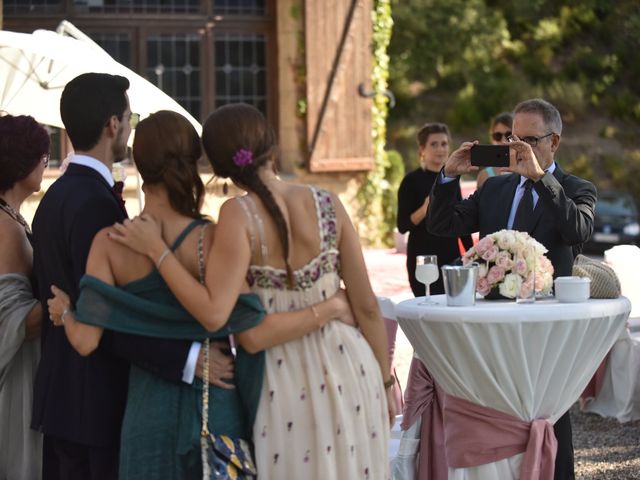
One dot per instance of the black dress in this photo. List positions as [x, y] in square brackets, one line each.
[415, 187]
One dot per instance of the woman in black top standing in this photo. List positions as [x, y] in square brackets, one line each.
[413, 201]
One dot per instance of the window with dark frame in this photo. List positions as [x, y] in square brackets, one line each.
[239, 7]
[32, 6]
[241, 69]
[137, 6]
[166, 50]
[116, 44]
[173, 65]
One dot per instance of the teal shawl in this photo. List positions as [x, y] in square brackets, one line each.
[147, 307]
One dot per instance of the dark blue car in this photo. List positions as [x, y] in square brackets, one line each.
[616, 221]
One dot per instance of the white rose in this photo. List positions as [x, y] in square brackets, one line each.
[483, 268]
[506, 240]
[510, 286]
[519, 244]
[531, 257]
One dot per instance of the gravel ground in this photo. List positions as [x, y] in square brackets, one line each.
[604, 448]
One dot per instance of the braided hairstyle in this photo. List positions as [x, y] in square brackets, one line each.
[239, 129]
[166, 150]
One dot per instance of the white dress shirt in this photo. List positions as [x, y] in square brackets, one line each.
[520, 192]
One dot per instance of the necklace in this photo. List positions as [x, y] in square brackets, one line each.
[9, 210]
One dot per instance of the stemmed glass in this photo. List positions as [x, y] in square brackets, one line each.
[427, 272]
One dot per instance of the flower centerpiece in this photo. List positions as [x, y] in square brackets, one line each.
[511, 263]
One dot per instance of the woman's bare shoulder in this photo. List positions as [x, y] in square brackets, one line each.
[104, 246]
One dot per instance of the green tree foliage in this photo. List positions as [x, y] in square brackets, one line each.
[374, 192]
[486, 54]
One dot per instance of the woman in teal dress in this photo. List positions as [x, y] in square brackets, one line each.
[123, 291]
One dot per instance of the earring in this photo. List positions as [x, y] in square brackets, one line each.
[225, 188]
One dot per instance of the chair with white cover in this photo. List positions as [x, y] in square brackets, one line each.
[619, 396]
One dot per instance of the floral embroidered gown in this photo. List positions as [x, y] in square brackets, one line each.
[322, 411]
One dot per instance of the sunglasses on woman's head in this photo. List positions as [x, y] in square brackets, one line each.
[498, 136]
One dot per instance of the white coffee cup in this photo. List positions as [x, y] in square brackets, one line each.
[572, 289]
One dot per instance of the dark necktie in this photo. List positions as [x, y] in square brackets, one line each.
[118, 188]
[525, 209]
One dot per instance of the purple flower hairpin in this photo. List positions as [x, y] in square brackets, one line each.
[243, 157]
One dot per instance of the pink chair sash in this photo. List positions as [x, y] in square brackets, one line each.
[476, 435]
[423, 398]
[595, 384]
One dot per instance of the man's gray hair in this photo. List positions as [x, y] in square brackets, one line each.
[550, 114]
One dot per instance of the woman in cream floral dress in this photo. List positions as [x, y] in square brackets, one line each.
[324, 411]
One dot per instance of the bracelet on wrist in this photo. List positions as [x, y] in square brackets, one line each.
[66, 311]
[162, 257]
[389, 383]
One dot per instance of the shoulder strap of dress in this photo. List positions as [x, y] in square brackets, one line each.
[327, 223]
[251, 210]
[186, 232]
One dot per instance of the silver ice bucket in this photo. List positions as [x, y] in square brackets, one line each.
[460, 284]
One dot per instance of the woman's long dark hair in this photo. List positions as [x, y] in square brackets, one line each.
[228, 132]
[166, 150]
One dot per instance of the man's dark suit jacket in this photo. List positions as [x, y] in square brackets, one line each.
[562, 221]
[82, 399]
[562, 218]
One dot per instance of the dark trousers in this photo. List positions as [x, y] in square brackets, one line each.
[63, 460]
[564, 458]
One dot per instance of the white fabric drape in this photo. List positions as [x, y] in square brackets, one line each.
[20, 447]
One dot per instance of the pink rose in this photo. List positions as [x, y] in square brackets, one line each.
[490, 254]
[495, 274]
[526, 289]
[545, 265]
[483, 245]
[482, 286]
[503, 259]
[520, 266]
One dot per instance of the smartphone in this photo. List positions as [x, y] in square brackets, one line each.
[490, 155]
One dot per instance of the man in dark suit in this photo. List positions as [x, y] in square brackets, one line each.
[79, 401]
[556, 208]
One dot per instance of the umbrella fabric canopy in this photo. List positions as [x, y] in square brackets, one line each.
[34, 68]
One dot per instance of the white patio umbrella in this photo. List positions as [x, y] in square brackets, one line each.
[34, 68]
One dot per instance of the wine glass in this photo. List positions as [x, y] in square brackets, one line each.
[427, 272]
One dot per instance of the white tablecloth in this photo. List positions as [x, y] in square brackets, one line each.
[528, 360]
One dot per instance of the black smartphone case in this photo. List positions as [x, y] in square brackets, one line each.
[490, 155]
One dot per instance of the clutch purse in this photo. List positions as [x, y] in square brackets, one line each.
[604, 281]
[223, 457]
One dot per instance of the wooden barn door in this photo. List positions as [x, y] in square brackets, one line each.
[338, 60]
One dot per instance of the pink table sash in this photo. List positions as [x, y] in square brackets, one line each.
[423, 398]
[476, 435]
